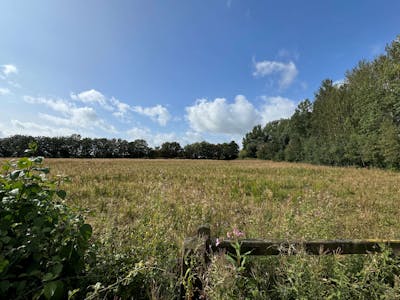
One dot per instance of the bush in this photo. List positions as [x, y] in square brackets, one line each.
[42, 241]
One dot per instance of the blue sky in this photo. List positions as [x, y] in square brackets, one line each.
[176, 70]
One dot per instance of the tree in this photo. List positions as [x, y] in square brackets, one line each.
[229, 151]
[138, 149]
[357, 123]
[252, 140]
[390, 144]
[171, 150]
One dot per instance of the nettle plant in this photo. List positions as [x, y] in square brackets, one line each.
[42, 241]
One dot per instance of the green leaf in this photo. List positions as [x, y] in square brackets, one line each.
[86, 231]
[54, 290]
[6, 166]
[4, 286]
[33, 146]
[37, 159]
[3, 264]
[62, 194]
[231, 259]
[57, 269]
[14, 192]
[24, 163]
[71, 294]
[14, 174]
[44, 170]
[5, 240]
[49, 276]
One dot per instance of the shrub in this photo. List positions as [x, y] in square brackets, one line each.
[42, 241]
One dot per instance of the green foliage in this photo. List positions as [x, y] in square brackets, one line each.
[302, 276]
[354, 123]
[204, 150]
[252, 140]
[171, 150]
[76, 147]
[42, 241]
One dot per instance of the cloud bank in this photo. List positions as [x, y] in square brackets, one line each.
[157, 113]
[72, 116]
[221, 117]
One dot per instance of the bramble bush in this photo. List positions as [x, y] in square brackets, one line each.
[43, 242]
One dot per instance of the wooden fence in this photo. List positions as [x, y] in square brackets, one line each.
[203, 246]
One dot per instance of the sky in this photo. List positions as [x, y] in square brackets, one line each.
[183, 71]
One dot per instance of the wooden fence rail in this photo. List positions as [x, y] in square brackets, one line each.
[203, 246]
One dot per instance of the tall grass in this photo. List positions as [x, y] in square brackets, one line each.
[141, 211]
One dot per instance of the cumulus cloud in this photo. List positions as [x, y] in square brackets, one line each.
[8, 70]
[219, 116]
[34, 129]
[121, 109]
[157, 113]
[153, 139]
[237, 118]
[276, 108]
[4, 91]
[72, 116]
[55, 104]
[286, 71]
[92, 96]
[137, 133]
[157, 139]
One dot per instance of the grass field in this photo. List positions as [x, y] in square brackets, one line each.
[143, 209]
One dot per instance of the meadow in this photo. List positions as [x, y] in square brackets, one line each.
[141, 211]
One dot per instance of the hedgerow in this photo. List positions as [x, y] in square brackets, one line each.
[43, 243]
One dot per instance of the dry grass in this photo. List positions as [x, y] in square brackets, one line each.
[141, 210]
[265, 199]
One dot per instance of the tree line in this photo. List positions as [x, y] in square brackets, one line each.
[75, 146]
[356, 122]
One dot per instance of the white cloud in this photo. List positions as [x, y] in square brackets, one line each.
[57, 105]
[340, 82]
[157, 139]
[153, 139]
[73, 116]
[9, 69]
[121, 108]
[276, 108]
[287, 71]
[157, 113]
[219, 116]
[92, 96]
[4, 91]
[287, 54]
[34, 129]
[237, 118]
[139, 133]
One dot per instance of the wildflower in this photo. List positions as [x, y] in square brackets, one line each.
[217, 242]
[237, 232]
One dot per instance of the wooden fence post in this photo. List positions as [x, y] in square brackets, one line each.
[197, 253]
[194, 261]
